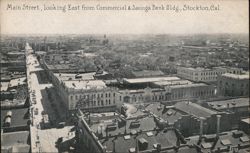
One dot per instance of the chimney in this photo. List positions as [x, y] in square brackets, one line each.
[201, 126]
[114, 146]
[218, 125]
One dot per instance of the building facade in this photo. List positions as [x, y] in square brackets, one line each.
[233, 85]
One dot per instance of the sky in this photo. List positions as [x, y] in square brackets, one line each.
[231, 18]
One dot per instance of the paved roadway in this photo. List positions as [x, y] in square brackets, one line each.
[42, 140]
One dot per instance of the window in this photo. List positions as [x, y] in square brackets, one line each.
[71, 97]
[76, 97]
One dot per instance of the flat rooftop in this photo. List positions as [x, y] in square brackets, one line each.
[189, 85]
[15, 142]
[4, 86]
[83, 84]
[231, 103]
[67, 76]
[172, 82]
[118, 127]
[151, 79]
[236, 76]
[17, 82]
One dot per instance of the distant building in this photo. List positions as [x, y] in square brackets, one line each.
[147, 73]
[233, 85]
[204, 74]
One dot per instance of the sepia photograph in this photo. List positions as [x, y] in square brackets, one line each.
[124, 76]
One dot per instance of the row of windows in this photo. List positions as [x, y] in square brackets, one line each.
[193, 94]
[77, 97]
[95, 103]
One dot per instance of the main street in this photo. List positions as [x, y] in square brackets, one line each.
[42, 140]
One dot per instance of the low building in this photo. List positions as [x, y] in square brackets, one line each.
[233, 85]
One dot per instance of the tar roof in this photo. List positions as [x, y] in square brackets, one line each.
[67, 76]
[151, 79]
[167, 138]
[14, 138]
[19, 117]
[231, 103]
[194, 109]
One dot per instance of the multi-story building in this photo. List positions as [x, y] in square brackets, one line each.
[205, 75]
[120, 135]
[84, 92]
[233, 85]
[160, 89]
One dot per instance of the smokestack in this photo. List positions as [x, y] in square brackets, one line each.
[218, 125]
[201, 126]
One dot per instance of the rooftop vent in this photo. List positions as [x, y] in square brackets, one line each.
[143, 143]
[149, 134]
[237, 134]
[226, 142]
[127, 137]
[131, 150]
